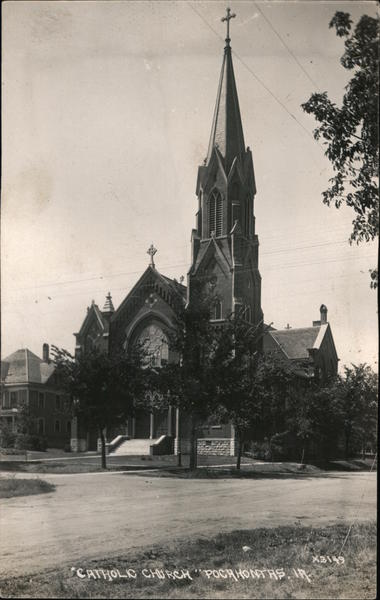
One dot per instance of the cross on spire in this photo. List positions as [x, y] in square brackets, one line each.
[151, 251]
[228, 19]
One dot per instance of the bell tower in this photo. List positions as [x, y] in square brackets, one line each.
[224, 243]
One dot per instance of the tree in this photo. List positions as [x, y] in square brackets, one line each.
[189, 383]
[233, 366]
[315, 419]
[357, 393]
[251, 386]
[351, 131]
[104, 388]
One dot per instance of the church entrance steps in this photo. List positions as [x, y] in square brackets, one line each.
[116, 442]
[135, 447]
[123, 446]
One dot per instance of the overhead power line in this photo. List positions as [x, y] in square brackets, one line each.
[286, 46]
[173, 266]
[256, 76]
[126, 290]
[276, 267]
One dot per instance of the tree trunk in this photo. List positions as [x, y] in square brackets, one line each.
[240, 450]
[347, 444]
[193, 445]
[178, 435]
[103, 440]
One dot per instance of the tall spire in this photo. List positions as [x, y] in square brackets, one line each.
[227, 131]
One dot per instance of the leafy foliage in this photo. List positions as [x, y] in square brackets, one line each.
[251, 387]
[351, 131]
[342, 411]
[189, 383]
[357, 394]
[314, 418]
[104, 388]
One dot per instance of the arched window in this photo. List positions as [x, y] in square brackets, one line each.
[217, 312]
[216, 214]
[154, 345]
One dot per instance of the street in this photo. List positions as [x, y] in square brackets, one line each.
[105, 514]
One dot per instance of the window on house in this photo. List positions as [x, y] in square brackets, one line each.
[57, 426]
[41, 426]
[22, 397]
[33, 398]
[5, 403]
[68, 427]
[58, 402]
[41, 400]
[14, 398]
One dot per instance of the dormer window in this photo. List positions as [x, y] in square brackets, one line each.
[215, 214]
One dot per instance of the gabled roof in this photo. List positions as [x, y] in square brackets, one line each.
[296, 343]
[92, 311]
[174, 286]
[227, 130]
[25, 367]
[216, 247]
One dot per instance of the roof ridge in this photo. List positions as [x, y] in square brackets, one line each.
[286, 330]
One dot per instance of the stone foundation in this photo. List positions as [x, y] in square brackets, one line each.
[78, 445]
[216, 446]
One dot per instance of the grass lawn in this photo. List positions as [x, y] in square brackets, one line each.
[287, 562]
[10, 487]
[253, 471]
[89, 464]
[60, 462]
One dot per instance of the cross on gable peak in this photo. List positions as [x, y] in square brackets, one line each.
[151, 251]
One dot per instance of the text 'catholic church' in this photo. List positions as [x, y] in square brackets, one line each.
[225, 255]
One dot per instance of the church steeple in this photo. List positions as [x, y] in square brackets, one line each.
[225, 247]
[226, 181]
[227, 130]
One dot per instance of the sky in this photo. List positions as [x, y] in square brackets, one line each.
[107, 111]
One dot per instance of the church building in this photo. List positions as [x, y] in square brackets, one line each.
[225, 258]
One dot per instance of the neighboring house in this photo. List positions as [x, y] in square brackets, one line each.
[27, 380]
[312, 348]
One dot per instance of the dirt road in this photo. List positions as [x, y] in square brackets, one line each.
[100, 515]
